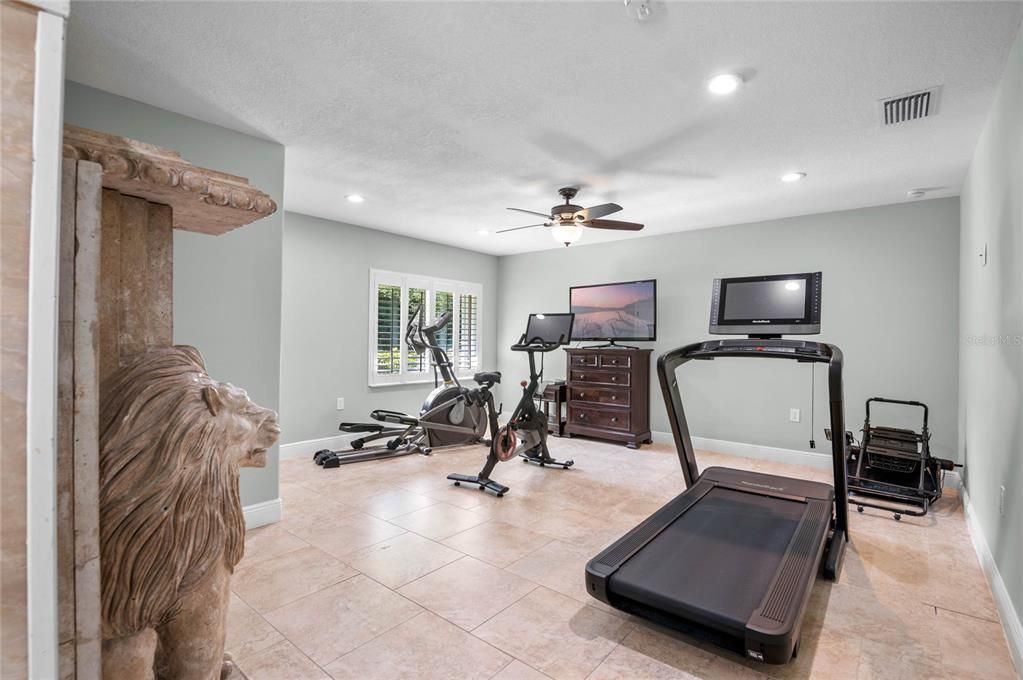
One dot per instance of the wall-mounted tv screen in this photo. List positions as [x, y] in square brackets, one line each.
[778, 304]
[615, 311]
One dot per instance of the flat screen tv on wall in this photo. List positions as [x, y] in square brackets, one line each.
[615, 311]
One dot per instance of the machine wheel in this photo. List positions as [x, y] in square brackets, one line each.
[898, 517]
[357, 444]
[458, 484]
[859, 508]
[392, 445]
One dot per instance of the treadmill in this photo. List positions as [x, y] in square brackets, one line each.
[734, 557]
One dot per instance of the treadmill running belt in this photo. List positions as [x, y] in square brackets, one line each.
[718, 558]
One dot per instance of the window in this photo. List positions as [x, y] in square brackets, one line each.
[394, 298]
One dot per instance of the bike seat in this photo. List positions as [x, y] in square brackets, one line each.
[487, 377]
[385, 416]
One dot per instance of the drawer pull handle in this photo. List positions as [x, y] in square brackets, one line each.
[614, 420]
[582, 376]
[614, 379]
[614, 397]
[582, 394]
[581, 416]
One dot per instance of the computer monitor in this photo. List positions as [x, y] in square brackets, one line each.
[549, 328]
[765, 306]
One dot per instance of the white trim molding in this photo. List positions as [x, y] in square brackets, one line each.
[261, 514]
[41, 393]
[306, 449]
[817, 460]
[1011, 624]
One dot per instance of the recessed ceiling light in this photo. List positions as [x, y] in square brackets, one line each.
[725, 83]
[793, 176]
[916, 193]
[483, 232]
[355, 198]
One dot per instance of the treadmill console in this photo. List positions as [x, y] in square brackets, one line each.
[794, 349]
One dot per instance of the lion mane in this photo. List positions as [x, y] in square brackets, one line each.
[169, 499]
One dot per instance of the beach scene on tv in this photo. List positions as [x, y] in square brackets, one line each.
[620, 310]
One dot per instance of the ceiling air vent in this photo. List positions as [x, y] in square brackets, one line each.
[912, 106]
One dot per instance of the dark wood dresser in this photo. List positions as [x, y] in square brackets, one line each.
[609, 394]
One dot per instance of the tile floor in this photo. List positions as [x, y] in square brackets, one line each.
[385, 570]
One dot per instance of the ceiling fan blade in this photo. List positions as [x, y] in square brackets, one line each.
[532, 212]
[528, 226]
[598, 211]
[614, 224]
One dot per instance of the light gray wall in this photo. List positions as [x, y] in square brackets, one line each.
[326, 307]
[991, 304]
[889, 301]
[227, 289]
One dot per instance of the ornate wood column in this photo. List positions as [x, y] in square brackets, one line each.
[121, 200]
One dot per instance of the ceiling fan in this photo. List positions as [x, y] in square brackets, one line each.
[567, 220]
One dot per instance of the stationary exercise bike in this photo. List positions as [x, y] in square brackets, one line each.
[525, 435]
[451, 415]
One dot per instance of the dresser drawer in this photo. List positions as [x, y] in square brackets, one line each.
[584, 360]
[595, 417]
[596, 377]
[614, 361]
[593, 395]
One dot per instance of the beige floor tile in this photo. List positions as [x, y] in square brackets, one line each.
[467, 592]
[973, 648]
[269, 541]
[392, 503]
[559, 566]
[247, 631]
[283, 661]
[401, 559]
[879, 620]
[880, 661]
[655, 654]
[438, 521]
[274, 582]
[336, 620]
[465, 497]
[498, 543]
[517, 670]
[554, 633]
[343, 534]
[424, 648]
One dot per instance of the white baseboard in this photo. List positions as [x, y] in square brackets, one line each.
[306, 449]
[261, 514]
[818, 460]
[1011, 624]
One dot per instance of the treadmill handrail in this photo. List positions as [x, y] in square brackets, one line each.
[813, 352]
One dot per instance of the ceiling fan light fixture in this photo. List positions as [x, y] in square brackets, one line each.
[566, 232]
[724, 83]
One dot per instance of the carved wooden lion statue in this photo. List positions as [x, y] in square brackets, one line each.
[172, 441]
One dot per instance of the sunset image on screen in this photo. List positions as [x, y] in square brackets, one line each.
[623, 310]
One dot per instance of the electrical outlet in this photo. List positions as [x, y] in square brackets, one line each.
[794, 415]
[1001, 501]
[340, 403]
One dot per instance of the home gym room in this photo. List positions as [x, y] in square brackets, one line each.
[570, 340]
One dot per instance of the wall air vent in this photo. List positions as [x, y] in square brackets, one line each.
[907, 107]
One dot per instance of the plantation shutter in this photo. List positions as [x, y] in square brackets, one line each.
[444, 301]
[388, 330]
[468, 332]
[416, 363]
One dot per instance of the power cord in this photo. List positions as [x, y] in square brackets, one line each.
[813, 380]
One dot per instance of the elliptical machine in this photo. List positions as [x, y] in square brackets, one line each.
[525, 435]
[451, 415]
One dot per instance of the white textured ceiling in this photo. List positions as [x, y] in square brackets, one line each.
[444, 113]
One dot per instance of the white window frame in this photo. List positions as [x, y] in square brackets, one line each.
[431, 285]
